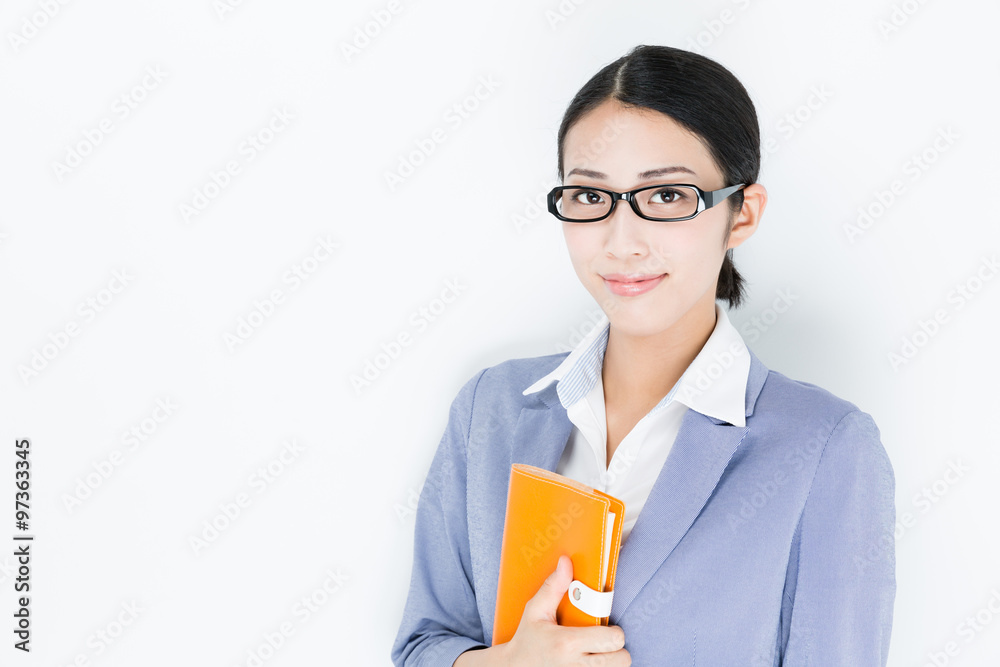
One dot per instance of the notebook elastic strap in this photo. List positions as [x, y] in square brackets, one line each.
[589, 601]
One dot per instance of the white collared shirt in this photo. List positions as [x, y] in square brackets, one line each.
[714, 385]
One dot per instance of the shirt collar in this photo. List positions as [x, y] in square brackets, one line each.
[714, 384]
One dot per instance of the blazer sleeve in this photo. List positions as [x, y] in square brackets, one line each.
[441, 619]
[840, 584]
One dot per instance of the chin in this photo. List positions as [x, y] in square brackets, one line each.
[644, 321]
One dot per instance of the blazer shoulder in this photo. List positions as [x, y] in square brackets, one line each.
[805, 401]
[817, 417]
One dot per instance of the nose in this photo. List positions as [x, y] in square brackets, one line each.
[625, 231]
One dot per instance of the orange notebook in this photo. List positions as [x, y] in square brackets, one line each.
[548, 515]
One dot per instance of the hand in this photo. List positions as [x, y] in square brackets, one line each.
[539, 640]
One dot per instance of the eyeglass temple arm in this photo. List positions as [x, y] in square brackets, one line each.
[714, 197]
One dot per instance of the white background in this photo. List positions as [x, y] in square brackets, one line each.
[339, 510]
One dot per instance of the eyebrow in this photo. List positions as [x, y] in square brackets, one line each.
[652, 173]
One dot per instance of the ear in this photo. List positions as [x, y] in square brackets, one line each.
[754, 201]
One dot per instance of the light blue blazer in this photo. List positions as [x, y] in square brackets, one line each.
[764, 545]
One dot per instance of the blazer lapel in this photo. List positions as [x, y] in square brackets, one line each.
[701, 452]
[691, 472]
[542, 431]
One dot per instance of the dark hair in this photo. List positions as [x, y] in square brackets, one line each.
[703, 97]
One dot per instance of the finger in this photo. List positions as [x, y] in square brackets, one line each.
[620, 658]
[544, 603]
[594, 639]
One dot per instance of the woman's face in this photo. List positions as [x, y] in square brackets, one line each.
[622, 149]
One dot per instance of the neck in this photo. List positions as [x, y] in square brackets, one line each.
[640, 370]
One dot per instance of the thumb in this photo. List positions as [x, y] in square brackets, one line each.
[544, 603]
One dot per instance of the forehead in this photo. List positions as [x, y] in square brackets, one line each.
[622, 142]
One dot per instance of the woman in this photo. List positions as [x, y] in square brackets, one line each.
[759, 509]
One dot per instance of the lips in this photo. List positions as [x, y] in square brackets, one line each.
[631, 277]
[624, 284]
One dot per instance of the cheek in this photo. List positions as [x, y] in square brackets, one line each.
[691, 255]
[582, 244]
[678, 247]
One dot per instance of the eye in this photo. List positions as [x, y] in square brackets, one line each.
[668, 196]
[587, 197]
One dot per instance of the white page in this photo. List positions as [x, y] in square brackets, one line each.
[609, 530]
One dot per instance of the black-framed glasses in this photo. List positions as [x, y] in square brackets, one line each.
[666, 202]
